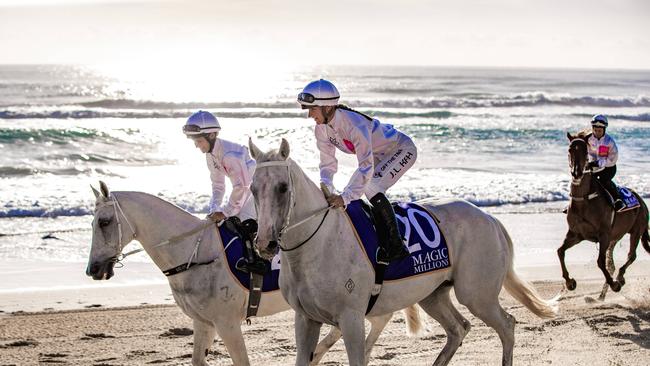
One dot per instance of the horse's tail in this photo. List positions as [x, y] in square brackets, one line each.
[645, 237]
[523, 291]
[645, 240]
[413, 320]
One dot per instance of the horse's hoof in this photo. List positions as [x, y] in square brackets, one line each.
[616, 286]
[621, 280]
[571, 284]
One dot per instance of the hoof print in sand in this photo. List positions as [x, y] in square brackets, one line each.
[88, 336]
[178, 332]
[25, 343]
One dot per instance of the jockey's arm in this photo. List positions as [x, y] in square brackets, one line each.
[361, 139]
[218, 186]
[328, 163]
[240, 179]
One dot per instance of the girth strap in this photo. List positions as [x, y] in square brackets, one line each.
[380, 269]
[254, 295]
[184, 267]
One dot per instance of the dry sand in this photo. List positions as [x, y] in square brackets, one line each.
[614, 332]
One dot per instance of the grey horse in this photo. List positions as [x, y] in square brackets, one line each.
[327, 279]
[591, 217]
[208, 293]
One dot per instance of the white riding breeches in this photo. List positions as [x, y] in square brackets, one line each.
[390, 167]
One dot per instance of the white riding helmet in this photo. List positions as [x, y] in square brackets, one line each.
[201, 122]
[599, 120]
[319, 93]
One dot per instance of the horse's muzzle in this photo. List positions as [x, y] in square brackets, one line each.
[100, 270]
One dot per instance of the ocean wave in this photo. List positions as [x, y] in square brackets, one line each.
[196, 208]
[465, 100]
[130, 114]
[56, 136]
[642, 117]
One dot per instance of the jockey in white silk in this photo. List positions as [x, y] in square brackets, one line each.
[383, 153]
[228, 159]
[374, 144]
[603, 154]
[603, 151]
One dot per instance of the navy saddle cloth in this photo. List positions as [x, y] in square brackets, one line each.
[235, 252]
[423, 238]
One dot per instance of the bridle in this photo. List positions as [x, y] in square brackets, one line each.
[577, 181]
[120, 257]
[292, 202]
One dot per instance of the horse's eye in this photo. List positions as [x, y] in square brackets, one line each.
[282, 188]
[104, 222]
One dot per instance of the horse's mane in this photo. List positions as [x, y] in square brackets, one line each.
[158, 199]
[584, 134]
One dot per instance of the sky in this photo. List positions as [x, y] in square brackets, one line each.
[258, 34]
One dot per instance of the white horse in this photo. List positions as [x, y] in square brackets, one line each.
[327, 279]
[209, 293]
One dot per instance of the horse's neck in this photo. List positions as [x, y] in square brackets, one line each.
[584, 188]
[155, 221]
[309, 199]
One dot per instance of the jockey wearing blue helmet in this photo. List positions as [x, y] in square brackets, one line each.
[603, 154]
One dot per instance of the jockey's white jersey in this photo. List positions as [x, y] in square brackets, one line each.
[603, 150]
[231, 160]
[352, 133]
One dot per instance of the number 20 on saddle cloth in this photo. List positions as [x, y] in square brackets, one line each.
[424, 240]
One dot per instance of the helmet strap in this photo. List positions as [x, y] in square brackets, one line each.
[212, 139]
[328, 113]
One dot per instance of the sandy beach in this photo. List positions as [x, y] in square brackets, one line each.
[614, 332]
[126, 322]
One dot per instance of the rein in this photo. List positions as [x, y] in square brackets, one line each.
[292, 202]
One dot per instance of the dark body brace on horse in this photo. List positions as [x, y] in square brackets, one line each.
[591, 217]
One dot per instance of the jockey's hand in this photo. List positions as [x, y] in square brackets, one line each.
[216, 216]
[593, 164]
[336, 201]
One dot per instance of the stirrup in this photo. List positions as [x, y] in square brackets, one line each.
[619, 205]
[257, 266]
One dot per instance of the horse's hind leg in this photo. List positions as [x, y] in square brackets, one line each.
[438, 305]
[324, 345]
[604, 245]
[631, 256]
[484, 303]
[570, 240]
[203, 338]
[377, 325]
[610, 268]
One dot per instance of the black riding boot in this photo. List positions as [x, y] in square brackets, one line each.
[391, 247]
[251, 263]
[613, 191]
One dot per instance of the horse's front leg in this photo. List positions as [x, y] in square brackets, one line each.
[603, 242]
[307, 332]
[609, 259]
[203, 338]
[570, 240]
[352, 326]
[325, 344]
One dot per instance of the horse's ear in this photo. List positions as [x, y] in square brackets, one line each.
[104, 188]
[284, 149]
[96, 192]
[569, 136]
[255, 152]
